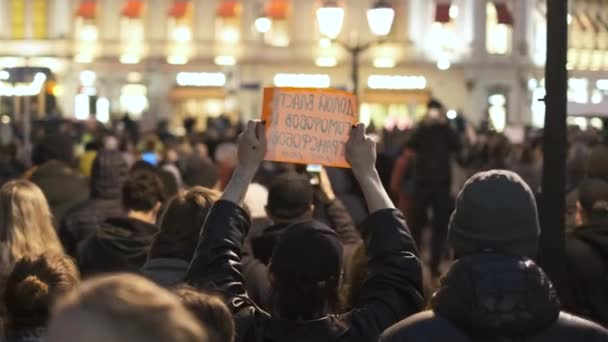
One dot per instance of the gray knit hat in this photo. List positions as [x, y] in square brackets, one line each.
[495, 211]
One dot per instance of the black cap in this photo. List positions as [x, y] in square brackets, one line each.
[308, 250]
[290, 196]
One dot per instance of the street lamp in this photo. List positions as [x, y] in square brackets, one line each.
[380, 18]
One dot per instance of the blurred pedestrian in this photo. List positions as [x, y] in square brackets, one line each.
[495, 291]
[109, 171]
[123, 308]
[434, 143]
[32, 288]
[122, 244]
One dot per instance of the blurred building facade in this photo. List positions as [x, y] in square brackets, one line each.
[173, 59]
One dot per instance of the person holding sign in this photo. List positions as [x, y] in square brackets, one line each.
[306, 266]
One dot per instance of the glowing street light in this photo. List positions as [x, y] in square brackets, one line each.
[380, 18]
[330, 17]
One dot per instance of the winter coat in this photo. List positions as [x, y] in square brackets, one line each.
[491, 297]
[433, 145]
[30, 335]
[62, 186]
[587, 265]
[108, 173]
[392, 290]
[256, 259]
[165, 272]
[120, 245]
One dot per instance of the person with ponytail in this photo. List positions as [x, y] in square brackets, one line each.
[32, 288]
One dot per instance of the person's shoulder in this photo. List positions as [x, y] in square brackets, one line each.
[425, 326]
[570, 326]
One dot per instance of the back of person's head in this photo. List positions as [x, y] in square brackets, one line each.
[495, 212]
[200, 171]
[290, 197]
[181, 222]
[34, 285]
[123, 308]
[306, 272]
[597, 163]
[593, 199]
[210, 311]
[26, 227]
[142, 191]
[108, 173]
[58, 147]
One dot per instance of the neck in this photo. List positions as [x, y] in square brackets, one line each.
[146, 216]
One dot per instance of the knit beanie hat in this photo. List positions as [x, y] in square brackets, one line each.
[290, 195]
[495, 212]
[108, 173]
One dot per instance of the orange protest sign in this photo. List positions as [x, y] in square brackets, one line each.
[308, 126]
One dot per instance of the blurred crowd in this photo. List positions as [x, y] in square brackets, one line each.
[117, 233]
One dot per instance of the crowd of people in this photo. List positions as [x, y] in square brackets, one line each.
[150, 237]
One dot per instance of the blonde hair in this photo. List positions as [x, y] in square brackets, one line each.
[26, 227]
[123, 307]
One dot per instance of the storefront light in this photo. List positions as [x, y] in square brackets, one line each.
[330, 18]
[452, 114]
[81, 107]
[324, 43]
[177, 59]
[134, 77]
[87, 78]
[129, 58]
[602, 84]
[30, 89]
[201, 79]
[380, 18]
[263, 24]
[4, 75]
[596, 123]
[396, 82]
[596, 96]
[11, 62]
[225, 60]
[326, 62]
[384, 62]
[302, 80]
[102, 112]
[5, 119]
[454, 11]
[182, 34]
[443, 63]
[88, 33]
[83, 58]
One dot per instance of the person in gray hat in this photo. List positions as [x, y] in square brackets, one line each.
[494, 291]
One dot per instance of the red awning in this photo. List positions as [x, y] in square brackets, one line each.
[86, 9]
[133, 9]
[180, 8]
[503, 13]
[277, 9]
[442, 12]
[229, 9]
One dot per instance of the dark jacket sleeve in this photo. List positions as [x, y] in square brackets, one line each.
[393, 288]
[217, 258]
[341, 221]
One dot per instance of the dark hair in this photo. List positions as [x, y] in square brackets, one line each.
[211, 312]
[34, 285]
[290, 196]
[141, 191]
[296, 298]
[181, 222]
[434, 103]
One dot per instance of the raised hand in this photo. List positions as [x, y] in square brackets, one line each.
[361, 151]
[252, 146]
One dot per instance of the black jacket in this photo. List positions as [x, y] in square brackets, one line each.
[121, 245]
[62, 186]
[587, 264]
[256, 259]
[108, 173]
[490, 297]
[434, 145]
[392, 291]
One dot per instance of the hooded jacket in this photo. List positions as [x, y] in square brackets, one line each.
[391, 291]
[108, 173]
[120, 245]
[62, 186]
[492, 297]
[587, 264]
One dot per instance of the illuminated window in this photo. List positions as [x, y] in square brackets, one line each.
[228, 22]
[134, 99]
[17, 18]
[39, 15]
[180, 32]
[85, 32]
[499, 28]
[578, 90]
[498, 111]
[278, 33]
[132, 32]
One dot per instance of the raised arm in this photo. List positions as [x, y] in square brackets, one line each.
[361, 155]
[217, 258]
[393, 288]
